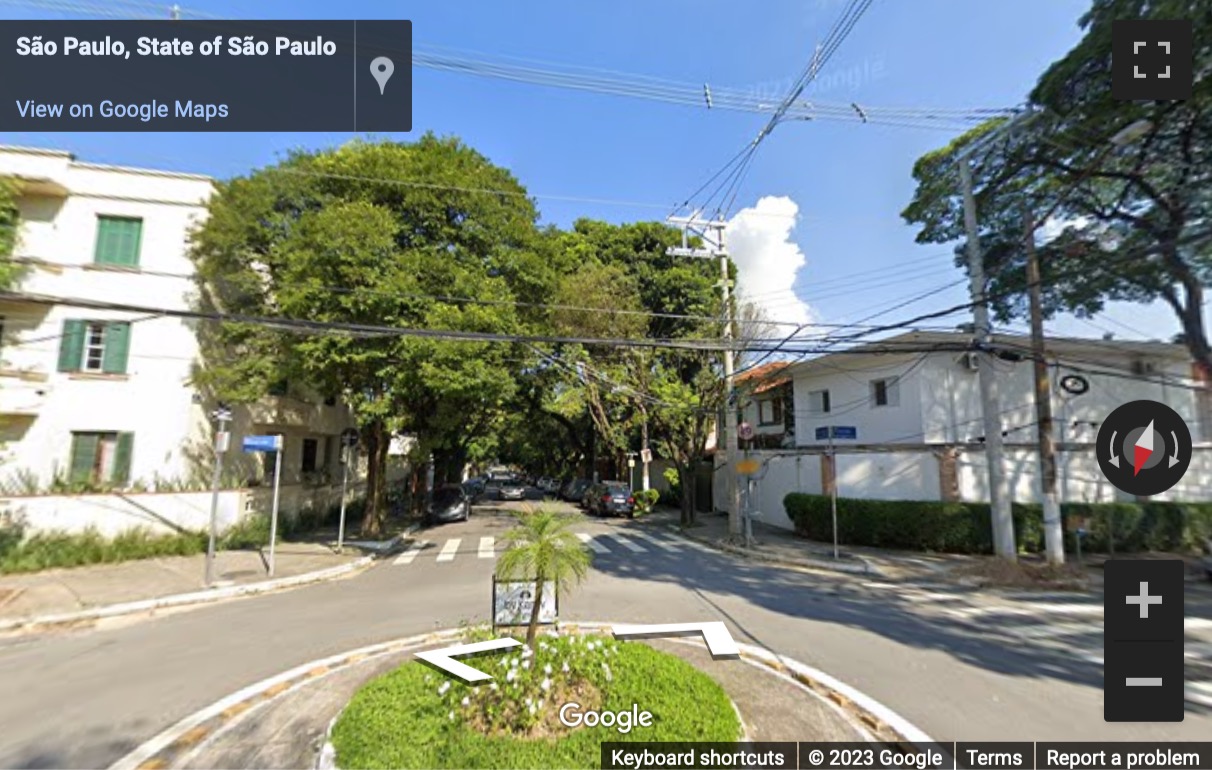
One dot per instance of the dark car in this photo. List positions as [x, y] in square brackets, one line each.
[610, 498]
[448, 504]
[513, 490]
[574, 490]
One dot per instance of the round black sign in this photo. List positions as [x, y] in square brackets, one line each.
[1074, 384]
[1144, 448]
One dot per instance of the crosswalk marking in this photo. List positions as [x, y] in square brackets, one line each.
[592, 543]
[487, 551]
[657, 542]
[450, 549]
[411, 553]
[630, 546]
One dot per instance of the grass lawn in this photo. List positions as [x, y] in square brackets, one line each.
[414, 717]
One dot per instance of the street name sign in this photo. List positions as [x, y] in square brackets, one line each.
[839, 431]
[262, 443]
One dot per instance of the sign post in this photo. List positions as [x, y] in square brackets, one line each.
[831, 432]
[349, 440]
[273, 443]
[222, 439]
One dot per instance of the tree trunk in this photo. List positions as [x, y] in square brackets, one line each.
[376, 487]
[533, 629]
[687, 494]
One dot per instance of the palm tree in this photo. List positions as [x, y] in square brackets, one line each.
[542, 548]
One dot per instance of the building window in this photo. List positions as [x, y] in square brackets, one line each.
[94, 346]
[770, 411]
[818, 402]
[884, 392]
[310, 453]
[118, 241]
[279, 388]
[99, 458]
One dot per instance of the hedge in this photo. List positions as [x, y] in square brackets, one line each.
[924, 525]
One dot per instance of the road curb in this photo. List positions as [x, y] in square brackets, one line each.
[865, 568]
[181, 600]
[191, 733]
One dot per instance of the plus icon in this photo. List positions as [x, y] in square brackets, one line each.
[1151, 59]
[1144, 600]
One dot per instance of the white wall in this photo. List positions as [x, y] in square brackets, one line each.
[849, 384]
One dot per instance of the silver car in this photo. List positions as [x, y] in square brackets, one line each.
[513, 490]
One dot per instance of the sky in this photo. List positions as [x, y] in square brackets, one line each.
[816, 227]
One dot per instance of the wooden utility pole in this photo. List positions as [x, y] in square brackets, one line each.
[1054, 544]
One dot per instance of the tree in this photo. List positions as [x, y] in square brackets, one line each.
[1134, 218]
[543, 548]
[9, 227]
[382, 234]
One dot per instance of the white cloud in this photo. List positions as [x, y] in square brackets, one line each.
[760, 243]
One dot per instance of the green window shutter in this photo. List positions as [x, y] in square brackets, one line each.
[117, 348]
[118, 241]
[122, 457]
[84, 456]
[71, 345]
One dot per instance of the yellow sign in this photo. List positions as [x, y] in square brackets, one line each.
[748, 467]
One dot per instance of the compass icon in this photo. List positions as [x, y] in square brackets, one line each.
[1144, 448]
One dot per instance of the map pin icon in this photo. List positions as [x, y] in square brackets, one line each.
[381, 68]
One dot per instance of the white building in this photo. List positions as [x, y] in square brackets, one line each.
[99, 398]
[910, 426]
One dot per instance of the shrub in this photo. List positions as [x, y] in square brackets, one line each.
[51, 550]
[960, 527]
[645, 499]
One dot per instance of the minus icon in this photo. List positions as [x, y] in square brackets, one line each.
[1144, 681]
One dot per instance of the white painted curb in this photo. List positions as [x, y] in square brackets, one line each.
[179, 600]
[166, 738]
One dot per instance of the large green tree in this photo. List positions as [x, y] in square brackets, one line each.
[376, 234]
[9, 223]
[1133, 215]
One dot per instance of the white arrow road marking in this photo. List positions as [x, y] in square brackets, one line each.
[444, 658]
[411, 553]
[487, 551]
[715, 634]
[1114, 454]
[592, 543]
[450, 549]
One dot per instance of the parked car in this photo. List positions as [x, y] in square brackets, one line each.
[513, 490]
[492, 489]
[574, 490]
[1208, 556]
[448, 504]
[474, 488]
[610, 498]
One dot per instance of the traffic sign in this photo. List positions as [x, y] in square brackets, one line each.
[745, 431]
[748, 466]
[646, 455]
[222, 441]
[262, 443]
[839, 431]
[349, 437]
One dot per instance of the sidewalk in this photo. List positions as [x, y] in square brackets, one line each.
[782, 546]
[63, 591]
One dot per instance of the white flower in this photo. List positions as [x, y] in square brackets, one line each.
[532, 708]
[609, 676]
[493, 687]
[466, 701]
[510, 676]
[529, 701]
[545, 684]
[451, 716]
[547, 669]
[525, 664]
[513, 662]
[444, 687]
[564, 668]
[527, 652]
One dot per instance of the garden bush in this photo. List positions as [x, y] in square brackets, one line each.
[924, 525]
[415, 717]
[645, 499]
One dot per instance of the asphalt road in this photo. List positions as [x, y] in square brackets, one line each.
[85, 699]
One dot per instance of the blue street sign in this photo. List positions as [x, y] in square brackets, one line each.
[262, 443]
[839, 431]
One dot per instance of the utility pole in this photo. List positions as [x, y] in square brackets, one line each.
[645, 453]
[715, 242]
[1054, 536]
[999, 497]
[222, 439]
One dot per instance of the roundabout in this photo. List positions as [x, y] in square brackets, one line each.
[381, 706]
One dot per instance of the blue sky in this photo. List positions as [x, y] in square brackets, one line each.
[848, 180]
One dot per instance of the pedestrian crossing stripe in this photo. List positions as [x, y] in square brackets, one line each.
[487, 549]
[450, 549]
[408, 556]
[630, 546]
[668, 545]
[589, 540]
